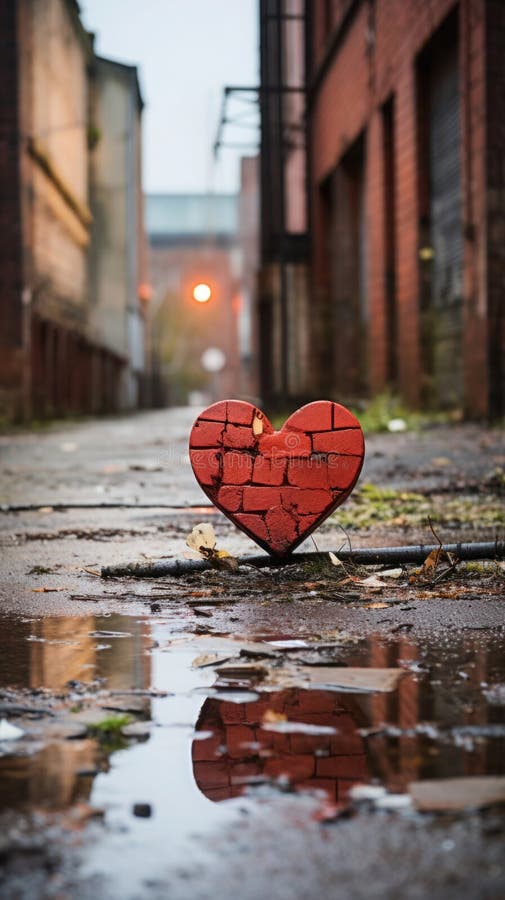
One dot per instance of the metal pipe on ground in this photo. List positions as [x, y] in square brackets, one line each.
[366, 556]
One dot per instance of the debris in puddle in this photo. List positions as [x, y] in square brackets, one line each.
[464, 736]
[141, 692]
[202, 735]
[10, 732]
[35, 639]
[233, 696]
[495, 694]
[453, 794]
[413, 665]
[208, 659]
[142, 810]
[110, 634]
[136, 705]
[392, 802]
[366, 792]
[379, 797]
[241, 670]
[137, 729]
[285, 727]
[352, 678]
[292, 644]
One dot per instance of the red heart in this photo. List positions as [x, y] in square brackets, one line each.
[277, 486]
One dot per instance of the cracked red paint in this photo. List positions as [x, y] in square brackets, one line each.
[277, 486]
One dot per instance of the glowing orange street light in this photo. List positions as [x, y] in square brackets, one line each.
[202, 293]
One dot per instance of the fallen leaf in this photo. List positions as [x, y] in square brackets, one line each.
[335, 560]
[377, 605]
[202, 541]
[372, 581]
[202, 538]
[442, 794]
[391, 573]
[272, 716]
[48, 590]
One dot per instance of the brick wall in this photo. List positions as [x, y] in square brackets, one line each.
[11, 263]
[356, 71]
[495, 198]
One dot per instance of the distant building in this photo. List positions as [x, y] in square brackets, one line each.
[62, 350]
[193, 239]
[401, 120]
[118, 256]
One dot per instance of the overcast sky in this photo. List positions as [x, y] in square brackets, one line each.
[186, 51]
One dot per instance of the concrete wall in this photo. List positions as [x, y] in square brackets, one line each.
[115, 260]
[57, 237]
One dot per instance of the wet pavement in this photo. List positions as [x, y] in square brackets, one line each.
[192, 738]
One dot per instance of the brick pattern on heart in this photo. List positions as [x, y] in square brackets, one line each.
[241, 749]
[277, 486]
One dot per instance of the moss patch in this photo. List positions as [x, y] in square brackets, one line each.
[371, 505]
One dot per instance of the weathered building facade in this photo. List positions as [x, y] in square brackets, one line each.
[406, 196]
[283, 289]
[58, 354]
[193, 238]
[118, 253]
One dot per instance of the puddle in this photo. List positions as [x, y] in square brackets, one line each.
[206, 746]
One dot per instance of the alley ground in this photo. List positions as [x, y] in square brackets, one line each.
[143, 771]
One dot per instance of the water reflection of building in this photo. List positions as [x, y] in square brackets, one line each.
[64, 650]
[59, 775]
[49, 654]
[241, 751]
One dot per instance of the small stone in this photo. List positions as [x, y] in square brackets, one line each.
[142, 810]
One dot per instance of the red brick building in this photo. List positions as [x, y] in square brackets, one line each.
[405, 193]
